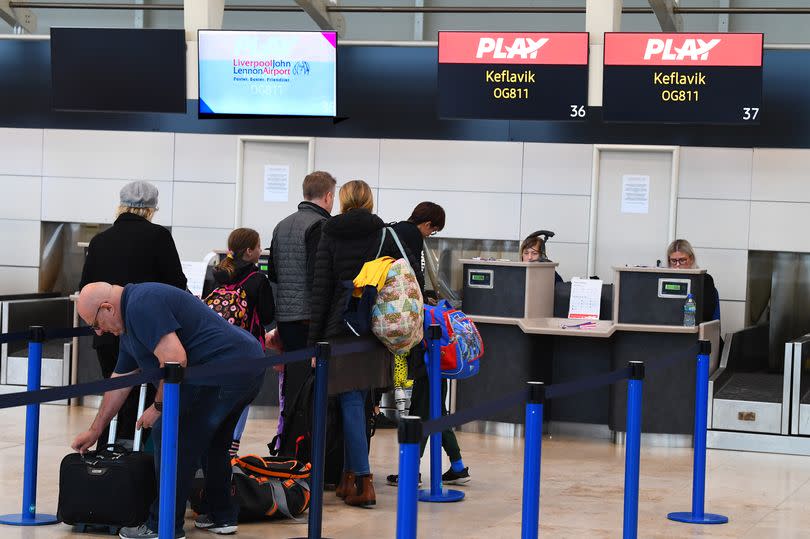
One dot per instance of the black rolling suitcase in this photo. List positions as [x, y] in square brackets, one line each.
[112, 487]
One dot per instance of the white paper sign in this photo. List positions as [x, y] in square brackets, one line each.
[195, 273]
[635, 194]
[276, 183]
[585, 298]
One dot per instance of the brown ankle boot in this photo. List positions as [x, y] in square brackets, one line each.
[363, 495]
[346, 485]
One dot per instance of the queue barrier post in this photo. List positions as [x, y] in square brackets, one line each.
[170, 419]
[697, 515]
[410, 437]
[320, 403]
[632, 450]
[436, 493]
[530, 518]
[29, 515]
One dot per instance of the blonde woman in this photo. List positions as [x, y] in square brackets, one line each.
[680, 255]
[348, 241]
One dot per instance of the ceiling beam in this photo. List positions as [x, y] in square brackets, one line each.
[18, 17]
[318, 12]
[665, 13]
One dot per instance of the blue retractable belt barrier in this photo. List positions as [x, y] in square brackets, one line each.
[29, 516]
[170, 418]
[410, 436]
[697, 515]
[436, 492]
[632, 449]
[530, 516]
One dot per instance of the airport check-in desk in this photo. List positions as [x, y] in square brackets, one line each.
[514, 306]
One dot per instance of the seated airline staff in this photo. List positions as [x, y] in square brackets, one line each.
[681, 256]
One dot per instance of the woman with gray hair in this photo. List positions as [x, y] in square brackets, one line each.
[680, 255]
[132, 250]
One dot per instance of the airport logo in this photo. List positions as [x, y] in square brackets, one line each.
[522, 47]
[690, 49]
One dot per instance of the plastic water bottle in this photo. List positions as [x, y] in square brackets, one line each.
[689, 310]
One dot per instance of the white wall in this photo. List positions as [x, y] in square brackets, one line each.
[730, 200]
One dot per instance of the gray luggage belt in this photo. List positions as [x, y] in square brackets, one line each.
[279, 496]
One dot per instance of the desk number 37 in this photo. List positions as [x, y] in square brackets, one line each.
[750, 113]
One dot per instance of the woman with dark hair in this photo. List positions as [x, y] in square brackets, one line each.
[239, 270]
[426, 220]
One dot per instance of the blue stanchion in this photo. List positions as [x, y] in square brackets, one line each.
[530, 518]
[632, 450]
[436, 492]
[697, 515]
[168, 449]
[29, 516]
[410, 436]
[315, 522]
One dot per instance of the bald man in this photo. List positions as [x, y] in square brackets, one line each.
[161, 324]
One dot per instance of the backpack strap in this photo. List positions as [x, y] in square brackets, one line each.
[382, 242]
[243, 281]
[399, 245]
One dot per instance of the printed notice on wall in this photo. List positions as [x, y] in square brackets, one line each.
[635, 194]
[585, 298]
[276, 183]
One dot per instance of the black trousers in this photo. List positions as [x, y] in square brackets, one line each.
[420, 406]
[294, 336]
[107, 354]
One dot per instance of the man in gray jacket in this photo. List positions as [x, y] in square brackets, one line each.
[292, 266]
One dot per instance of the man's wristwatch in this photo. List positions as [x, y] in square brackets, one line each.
[158, 405]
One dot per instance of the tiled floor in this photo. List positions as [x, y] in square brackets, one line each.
[764, 496]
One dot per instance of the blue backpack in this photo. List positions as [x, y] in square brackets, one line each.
[461, 344]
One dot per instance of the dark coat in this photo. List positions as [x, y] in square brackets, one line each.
[132, 250]
[257, 289]
[347, 242]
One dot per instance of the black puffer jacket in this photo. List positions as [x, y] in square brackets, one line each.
[347, 242]
[258, 292]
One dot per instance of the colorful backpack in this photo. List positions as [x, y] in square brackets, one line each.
[461, 344]
[397, 314]
[230, 302]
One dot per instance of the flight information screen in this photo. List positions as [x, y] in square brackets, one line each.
[682, 78]
[513, 75]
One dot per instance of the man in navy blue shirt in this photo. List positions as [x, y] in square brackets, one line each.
[160, 324]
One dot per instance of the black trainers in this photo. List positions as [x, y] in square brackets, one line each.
[393, 479]
[451, 477]
[381, 421]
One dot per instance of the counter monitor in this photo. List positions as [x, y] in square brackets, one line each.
[674, 288]
[479, 278]
[682, 78]
[513, 75]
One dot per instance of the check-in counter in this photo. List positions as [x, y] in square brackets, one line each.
[642, 321]
[18, 313]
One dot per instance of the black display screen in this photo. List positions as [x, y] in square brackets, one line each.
[118, 69]
[683, 78]
[515, 76]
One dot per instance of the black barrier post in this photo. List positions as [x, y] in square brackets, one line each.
[697, 515]
[632, 449]
[315, 522]
[29, 516]
[530, 520]
[170, 419]
[436, 492]
[410, 436]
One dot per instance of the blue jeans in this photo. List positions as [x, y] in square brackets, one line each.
[240, 425]
[355, 443]
[208, 415]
